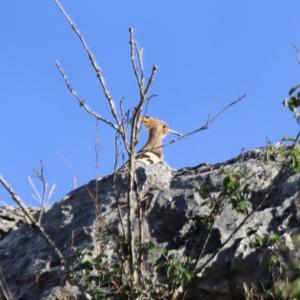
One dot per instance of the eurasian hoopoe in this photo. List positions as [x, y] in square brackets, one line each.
[153, 151]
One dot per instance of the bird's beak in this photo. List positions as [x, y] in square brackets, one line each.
[175, 132]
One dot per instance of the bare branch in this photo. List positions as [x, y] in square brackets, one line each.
[140, 53]
[53, 188]
[151, 79]
[97, 162]
[143, 90]
[297, 50]
[41, 176]
[132, 56]
[94, 63]
[4, 290]
[45, 195]
[10, 209]
[71, 169]
[134, 259]
[208, 122]
[151, 96]
[124, 125]
[81, 102]
[16, 198]
[36, 195]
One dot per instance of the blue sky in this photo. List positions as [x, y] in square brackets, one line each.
[208, 53]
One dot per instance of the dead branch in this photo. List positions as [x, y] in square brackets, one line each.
[10, 209]
[30, 219]
[94, 63]
[119, 128]
[297, 50]
[135, 129]
[18, 200]
[46, 194]
[81, 102]
[140, 53]
[4, 290]
[71, 169]
[97, 154]
[136, 119]
[209, 121]
[214, 212]
[139, 79]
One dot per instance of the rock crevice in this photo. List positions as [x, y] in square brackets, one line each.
[173, 212]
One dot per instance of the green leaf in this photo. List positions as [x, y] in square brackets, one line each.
[244, 206]
[274, 239]
[87, 265]
[295, 289]
[287, 139]
[274, 259]
[293, 89]
[203, 191]
[172, 252]
[296, 264]
[291, 103]
[265, 241]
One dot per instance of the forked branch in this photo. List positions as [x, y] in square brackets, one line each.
[30, 219]
[209, 121]
[81, 102]
[94, 63]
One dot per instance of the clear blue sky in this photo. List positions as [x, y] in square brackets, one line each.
[208, 53]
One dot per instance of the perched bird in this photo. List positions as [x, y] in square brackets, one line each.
[153, 151]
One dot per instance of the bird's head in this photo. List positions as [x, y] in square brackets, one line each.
[159, 127]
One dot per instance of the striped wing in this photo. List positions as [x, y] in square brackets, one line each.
[148, 158]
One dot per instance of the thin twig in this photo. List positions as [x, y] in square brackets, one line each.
[71, 169]
[4, 290]
[135, 128]
[97, 162]
[209, 121]
[15, 197]
[132, 56]
[11, 209]
[117, 151]
[218, 205]
[41, 176]
[151, 79]
[124, 125]
[297, 52]
[140, 53]
[94, 63]
[18, 200]
[36, 195]
[45, 195]
[81, 102]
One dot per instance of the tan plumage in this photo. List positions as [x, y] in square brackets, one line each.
[153, 152]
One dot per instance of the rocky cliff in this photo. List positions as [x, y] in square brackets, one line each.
[177, 208]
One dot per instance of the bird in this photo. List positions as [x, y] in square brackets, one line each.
[153, 151]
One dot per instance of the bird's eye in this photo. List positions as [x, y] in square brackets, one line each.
[164, 126]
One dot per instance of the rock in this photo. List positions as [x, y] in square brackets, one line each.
[11, 218]
[174, 208]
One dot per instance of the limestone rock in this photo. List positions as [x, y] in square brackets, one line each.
[172, 207]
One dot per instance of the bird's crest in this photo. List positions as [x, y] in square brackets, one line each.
[152, 152]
